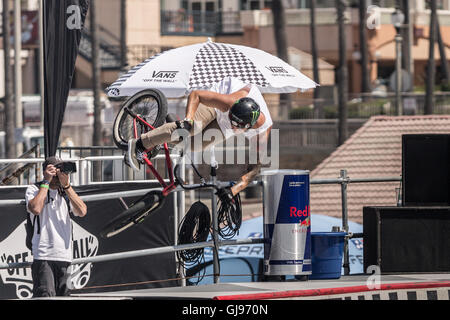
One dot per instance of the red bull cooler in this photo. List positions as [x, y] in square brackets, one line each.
[287, 223]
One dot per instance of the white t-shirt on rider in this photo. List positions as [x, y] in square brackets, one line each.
[55, 240]
[229, 85]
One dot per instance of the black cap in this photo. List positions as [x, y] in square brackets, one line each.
[51, 160]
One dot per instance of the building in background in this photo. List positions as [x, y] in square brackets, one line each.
[153, 26]
[147, 27]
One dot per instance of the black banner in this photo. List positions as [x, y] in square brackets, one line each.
[125, 274]
[63, 22]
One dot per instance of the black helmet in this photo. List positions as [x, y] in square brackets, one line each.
[244, 113]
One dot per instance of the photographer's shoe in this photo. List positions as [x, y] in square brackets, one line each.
[134, 156]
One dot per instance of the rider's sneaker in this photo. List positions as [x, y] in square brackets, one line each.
[134, 157]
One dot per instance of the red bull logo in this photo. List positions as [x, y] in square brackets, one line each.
[303, 214]
[306, 222]
[294, 212]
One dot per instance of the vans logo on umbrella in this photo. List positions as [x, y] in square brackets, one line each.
[164, 74]
[275, 69]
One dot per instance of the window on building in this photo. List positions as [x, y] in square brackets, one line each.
[267, 4]
[324, 4]
[209, 6]
[196, 6]
[304, 4]
[255, 4]
[439, 5]
[350, 3]
[384, 3]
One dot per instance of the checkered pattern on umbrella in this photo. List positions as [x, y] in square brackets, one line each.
[216, 61]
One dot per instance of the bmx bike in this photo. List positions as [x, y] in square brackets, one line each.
[141, 113]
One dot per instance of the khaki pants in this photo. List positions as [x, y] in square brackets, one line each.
[204, 119]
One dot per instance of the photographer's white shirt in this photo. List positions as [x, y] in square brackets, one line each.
[55, 240]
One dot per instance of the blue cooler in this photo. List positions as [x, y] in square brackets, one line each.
[287, 223]
[327, 251]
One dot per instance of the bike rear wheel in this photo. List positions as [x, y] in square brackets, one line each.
[151, 105]
[135, 214]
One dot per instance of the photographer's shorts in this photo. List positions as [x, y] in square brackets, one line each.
[50, 278]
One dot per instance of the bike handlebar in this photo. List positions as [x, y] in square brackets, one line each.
[181, 182]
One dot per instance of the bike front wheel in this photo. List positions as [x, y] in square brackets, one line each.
[134, 215]
[150, 105]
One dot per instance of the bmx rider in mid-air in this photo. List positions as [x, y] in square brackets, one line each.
[231, 106]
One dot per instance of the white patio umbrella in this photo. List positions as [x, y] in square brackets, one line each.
[177, 72]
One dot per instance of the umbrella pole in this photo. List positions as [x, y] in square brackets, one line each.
[215, 224]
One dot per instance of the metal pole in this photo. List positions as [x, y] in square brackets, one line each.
[123, 35]
[18, 71]
[344, 181]
[41, 58]
[37, 168]
[191, 181]
[408, 35]
[443, 55]
[96, 87]
[365, 74]
[398, 75]
[142, 253]
[215, 235]
[318, 108]
[10, 146]
[179, 217]
[103, 196]
[341, 7]
[182, 204]
[431, 67]
[176, 221]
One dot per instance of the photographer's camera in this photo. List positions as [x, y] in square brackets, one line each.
[67, 167]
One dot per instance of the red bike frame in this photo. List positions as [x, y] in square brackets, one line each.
[167, 188]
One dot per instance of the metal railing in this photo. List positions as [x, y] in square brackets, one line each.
[200, 23]
[343, 180]
[298, 136]
[95, 164]
[14, 173]
[84, 174]
[364, 106]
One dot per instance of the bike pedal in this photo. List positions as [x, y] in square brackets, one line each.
[141, 158]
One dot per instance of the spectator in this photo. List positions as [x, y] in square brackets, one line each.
[51, 203]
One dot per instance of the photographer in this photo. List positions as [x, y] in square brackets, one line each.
[49, 206]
